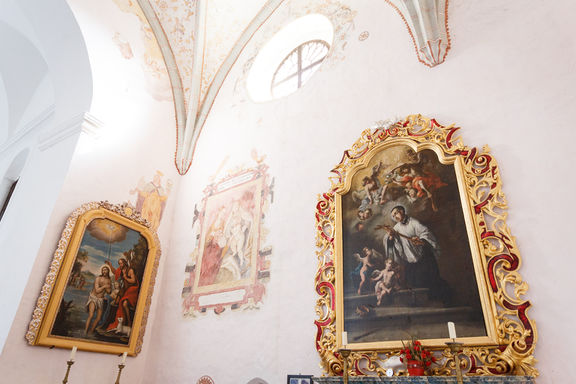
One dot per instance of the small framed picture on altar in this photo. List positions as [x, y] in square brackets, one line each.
[97, 292]
[299, 379]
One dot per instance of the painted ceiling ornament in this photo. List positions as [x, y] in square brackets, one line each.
[427, 23]
[205, 380]
[364, 35]
[196, 75]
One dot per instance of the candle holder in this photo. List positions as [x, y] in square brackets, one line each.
[345, 353]
[454, 348]
[69, 362]
[120, 368]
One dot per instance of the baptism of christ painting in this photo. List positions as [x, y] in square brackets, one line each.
[103, 286]
[406, 256]
[99, 286]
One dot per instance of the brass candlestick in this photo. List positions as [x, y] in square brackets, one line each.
[345, 353]
[120, 368]
[454, 347]
[69, 362]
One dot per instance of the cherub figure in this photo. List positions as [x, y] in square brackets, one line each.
[387, 280]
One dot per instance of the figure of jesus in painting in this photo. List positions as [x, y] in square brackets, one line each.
[367, 265]
[152, 199]
[95, 303]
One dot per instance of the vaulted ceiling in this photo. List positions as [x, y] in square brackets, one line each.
[200, 40]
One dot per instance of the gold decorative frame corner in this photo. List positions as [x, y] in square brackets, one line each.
[513, 335]
[54, 284]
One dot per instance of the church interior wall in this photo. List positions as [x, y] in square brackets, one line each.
[506, 81]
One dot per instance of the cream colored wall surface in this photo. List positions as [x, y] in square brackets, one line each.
[507, 82]
[135, 140]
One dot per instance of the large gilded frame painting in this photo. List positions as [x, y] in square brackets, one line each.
[412, 235]
[98, 291]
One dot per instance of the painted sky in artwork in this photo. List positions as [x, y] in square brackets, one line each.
[106, 240]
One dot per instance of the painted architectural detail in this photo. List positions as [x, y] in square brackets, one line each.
[205, 380]
[427, 23]
[230, 264]
[151, 198]
[364, 35]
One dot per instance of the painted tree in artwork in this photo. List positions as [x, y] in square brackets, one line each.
[137, 257]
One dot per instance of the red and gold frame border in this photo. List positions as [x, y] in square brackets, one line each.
[515, 332]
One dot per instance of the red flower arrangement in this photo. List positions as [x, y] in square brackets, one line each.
[414, 351]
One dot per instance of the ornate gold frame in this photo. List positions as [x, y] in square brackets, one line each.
[56, 279]
[509, 346]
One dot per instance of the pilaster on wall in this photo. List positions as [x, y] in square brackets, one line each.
[84, 122]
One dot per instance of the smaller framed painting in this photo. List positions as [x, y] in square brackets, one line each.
[98, 290]
[299, 379]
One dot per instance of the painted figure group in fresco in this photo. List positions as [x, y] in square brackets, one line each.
[228, 242]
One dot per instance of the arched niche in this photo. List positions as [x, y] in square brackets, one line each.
[11, 177]
[25, 74]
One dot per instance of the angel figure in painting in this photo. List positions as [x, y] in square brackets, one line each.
[372, 191]
[368, 263]
[387, 281]
[152, 198]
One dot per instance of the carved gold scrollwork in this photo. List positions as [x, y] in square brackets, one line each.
[515, 333]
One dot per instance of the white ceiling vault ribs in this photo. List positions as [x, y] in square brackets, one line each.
[171, 65]
[184, 36]
[217, 31]
[427, 23]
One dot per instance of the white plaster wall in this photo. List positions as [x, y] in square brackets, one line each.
[507, 82]
[4, 112]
